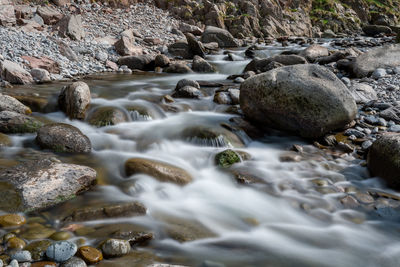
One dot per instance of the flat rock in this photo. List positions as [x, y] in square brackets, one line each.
[14, 73]
[9, 103]
[12, 122]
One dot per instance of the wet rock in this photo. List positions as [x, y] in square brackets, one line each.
[40, 75]
[383, 57]
[22, 256]
[235, 96]
[124, 47]
[90, 255]
[308, 100]
[74, 262]
[183, 230]
[38, 248]
[39, 184]
[384, 159]
[14, 73]
[201, 65]
[59, 236]
[12, 122]
[12, 220]
[178, 68]
[5, 140]
[196, 48]
[11, 104]
[44, 264]
[220, 36]
[15, 243]
[263, 65]
[142, 62]
[185, 82]
[162, 61]
[115, 247]
[74, 100]
[62, 137]
[113, 210]
[372, 30]
[161, 171]
[227, 158]
[313, 52]
[61, 251]
[187, 92]
[211, 136]
[106, 116]
[49, 14]
[222, 98]
[362, 93]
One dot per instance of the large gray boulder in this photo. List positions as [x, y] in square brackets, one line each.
[74, 100]
[384, 159]
[308, 100]
[62, 137]
[40, 184]
[14, 73]
[383, 57]
[220, 36]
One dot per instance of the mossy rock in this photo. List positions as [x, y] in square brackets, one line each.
[12, 122]
[5, 140]
[227, 158]
[106, 116]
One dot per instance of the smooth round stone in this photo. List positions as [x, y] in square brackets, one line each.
[38, 248]
[37, 231]
[74, 262]
[12, 220]
[115, 247]
[90, 255]
[7, 236]
[61, 251]
[22, 256]
[14, 263]
[43, 264]
[59, 236]
[15, 243]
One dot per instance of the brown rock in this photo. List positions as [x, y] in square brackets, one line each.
[14, 73]
[90, 255]
[42, 63]
[124, 47]
[112, 65]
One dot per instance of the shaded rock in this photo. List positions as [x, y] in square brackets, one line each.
[308, 100]
[124, 47]
[201, 65]
[74, 100]
[220, 36]
[42, 183]
[178, 68]
[362, 93]
[313, 52]
[113, 210]
[61, 251]
[222, 98]
[142, 62]
[14, 73]
[187, 28]
[42, 63]
[38, 248]
[12, 122]
[9, 103]
[392, 113]
[161, 171]
[49, 14]
[180, 49]
[71, 26]
[115, 247]
[372, 30]
[383, 57]
[106, 116]
[40, 75]
[196, 48]
[384, 159]
[161, 61]
[185, 82]
[187, 92]
[263, 65]
[62, 137]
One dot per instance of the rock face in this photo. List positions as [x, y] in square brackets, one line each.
[40, 184]
[14, 73]
[308, 100]
[12, 122]
[74, 100]
[163, 172]
[11, 104]
[384, 159]
[62, 137]
[220, 36]
[383, 57]
[71, 26]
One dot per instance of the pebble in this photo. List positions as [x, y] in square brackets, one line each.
[90, 255]
[12, 220]
[22, 256]
[378, 73]
[58, 236]
[394, 128]
[61, 251]
[15, 243]
[14, 263]
[366, 144]
[74, 262]
[115, 247]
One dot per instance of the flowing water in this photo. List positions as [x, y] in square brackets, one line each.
[291, 217]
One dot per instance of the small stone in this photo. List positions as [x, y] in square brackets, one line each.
[61, 251]
[59, 236]
[395, 128]
[43, 264]
[74, 262]
[90, 255]
[239, 80]
[378, 73]
[227, 158]
[12, 220]
[14, 263]
[15, 243]
[365, 145]
[115, 247]
[22, 256]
